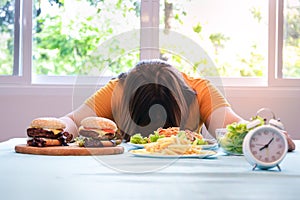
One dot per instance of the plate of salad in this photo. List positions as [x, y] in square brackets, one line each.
[138, 141]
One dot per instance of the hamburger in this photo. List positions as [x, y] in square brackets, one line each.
[48, 131]
[98, 132]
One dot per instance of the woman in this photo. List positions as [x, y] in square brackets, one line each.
[155, 94]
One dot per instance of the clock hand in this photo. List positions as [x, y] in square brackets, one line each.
[270, 141]
[263, 147]
[267, 145]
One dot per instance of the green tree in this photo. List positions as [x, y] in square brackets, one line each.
[66, 46]
[218, 39]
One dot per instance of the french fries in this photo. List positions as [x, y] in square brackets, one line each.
[173, 145]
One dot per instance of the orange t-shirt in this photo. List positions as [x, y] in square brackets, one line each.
[209, 98]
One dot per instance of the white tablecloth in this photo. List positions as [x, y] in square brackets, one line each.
[124, 176]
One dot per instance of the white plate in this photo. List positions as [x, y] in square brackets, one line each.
[144, 153]
[204, 147]
[209, 146]
[139, 146]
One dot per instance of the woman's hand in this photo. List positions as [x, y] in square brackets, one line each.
[74, 118]
[291, 144]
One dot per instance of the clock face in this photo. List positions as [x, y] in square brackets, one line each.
[267, 145]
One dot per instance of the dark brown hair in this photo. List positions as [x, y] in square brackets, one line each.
[151, 95]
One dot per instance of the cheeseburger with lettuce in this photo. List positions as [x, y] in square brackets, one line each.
[98, 132]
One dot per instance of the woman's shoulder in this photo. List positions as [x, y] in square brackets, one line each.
[193, 80]
[109, 86]
[112, 82]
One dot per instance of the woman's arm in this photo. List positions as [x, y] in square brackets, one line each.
[220, 118]
[74, 118]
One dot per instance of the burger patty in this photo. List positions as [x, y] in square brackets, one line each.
[42, 142]
[95, 135]
[90, 142]
[90, 138]
[39, 132]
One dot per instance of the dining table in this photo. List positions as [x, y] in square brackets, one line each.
[127, 176]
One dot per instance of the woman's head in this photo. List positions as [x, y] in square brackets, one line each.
[152, 95]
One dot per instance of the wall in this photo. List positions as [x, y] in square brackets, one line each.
[19, 105]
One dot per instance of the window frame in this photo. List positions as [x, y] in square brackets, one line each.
[149, 42]
[276, 23]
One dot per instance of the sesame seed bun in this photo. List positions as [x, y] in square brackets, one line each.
[98, 123]
[48, 123]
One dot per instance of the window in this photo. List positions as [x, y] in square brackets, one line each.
[249, 41]
[9, 35]
[233, 33]
[82, 37]
[284, 43]
[291, 40]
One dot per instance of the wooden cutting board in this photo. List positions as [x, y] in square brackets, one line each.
[68, 150]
